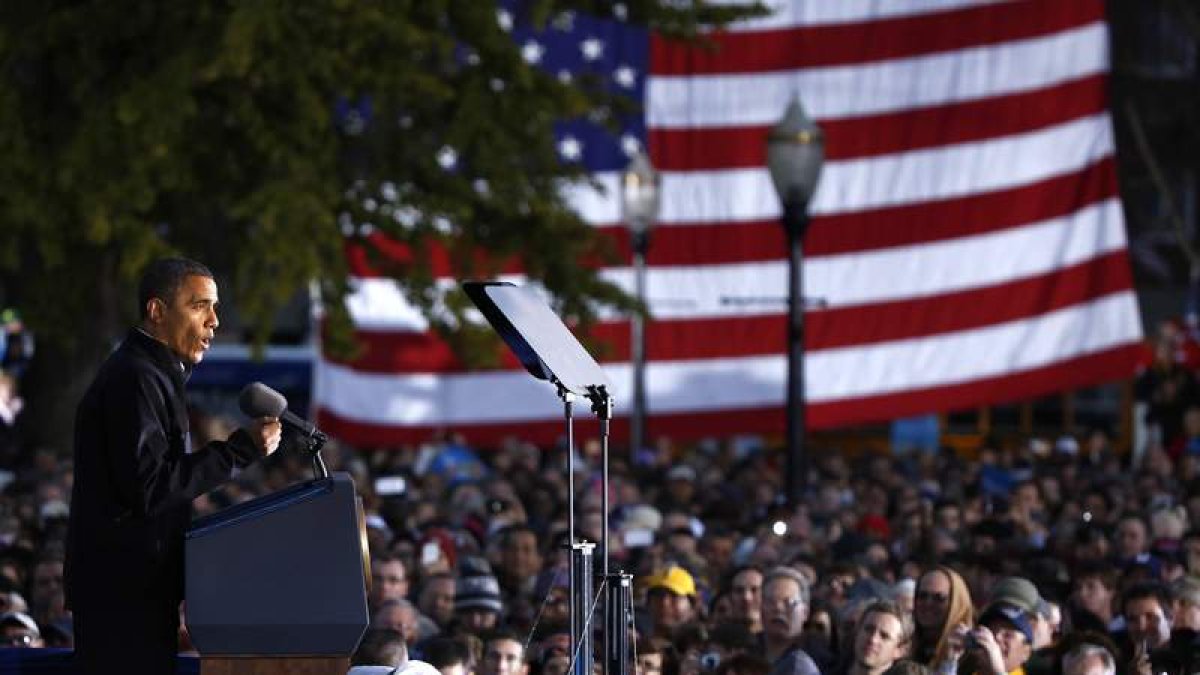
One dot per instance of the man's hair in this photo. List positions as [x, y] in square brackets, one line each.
[505, 633]
[907, 627]
[792, 574]
[1086, 650]
[380, 647]
[1148, 589]
[442, 652]
[1098, 569]
[727, 582]
[509, 533]
[163, 277]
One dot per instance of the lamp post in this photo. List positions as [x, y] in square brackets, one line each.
[639, 209]
[795, 152]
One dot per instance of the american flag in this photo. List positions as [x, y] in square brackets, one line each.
[967, 243]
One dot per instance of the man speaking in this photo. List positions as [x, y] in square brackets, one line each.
[136, 475]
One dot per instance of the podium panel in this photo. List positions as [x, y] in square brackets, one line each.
[284, 574]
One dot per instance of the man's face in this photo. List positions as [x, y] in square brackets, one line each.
[437, 600]
[668, 609]
[47, 594]
[19, 636]
[1186, 615]
[931, 600]
[879, 641]
[1014, 646]
[783, 609]
[520, 555]
[391, 581]
[187, 322]
[746, 596]
[504, 657]
[1094, 596]
[477, 620]
[1131, 538]
[650, 664]
[1147, 622]
[402, 619]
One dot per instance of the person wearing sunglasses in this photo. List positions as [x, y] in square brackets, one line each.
[941, 606]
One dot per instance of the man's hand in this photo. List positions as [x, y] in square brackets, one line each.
[266, 432]
[991, 649]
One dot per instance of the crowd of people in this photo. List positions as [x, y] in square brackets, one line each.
[1031, 557]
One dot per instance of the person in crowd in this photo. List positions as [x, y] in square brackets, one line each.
[745, 597]
[436, 598]
[382, 651]
[448, 655]
[401, 616]
[656, 656]
[136, 475]
[942, 609]
[1094, 596]
[503, 654]
[1089, 659]
[1146, 607]
[477, 602]
[1132, 538]
[1002, 642]
[389, 579]
[882, 637]
[785, 601]
[671, 600]
[1023, 593]
[18, 629]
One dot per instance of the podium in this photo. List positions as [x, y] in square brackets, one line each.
[278, 584]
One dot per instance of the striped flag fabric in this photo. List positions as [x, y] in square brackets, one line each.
[967, 245]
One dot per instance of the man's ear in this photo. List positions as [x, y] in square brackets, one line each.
[155, 308]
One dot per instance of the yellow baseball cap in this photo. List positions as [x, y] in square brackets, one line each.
[674, 579]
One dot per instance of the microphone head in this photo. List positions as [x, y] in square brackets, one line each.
[259, 400]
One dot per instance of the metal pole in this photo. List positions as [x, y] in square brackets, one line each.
[617, 620]
[637, 419]
[795, 221]
[582, 656]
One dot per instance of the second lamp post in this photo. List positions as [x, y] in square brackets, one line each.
[795, 152]
[639, 209]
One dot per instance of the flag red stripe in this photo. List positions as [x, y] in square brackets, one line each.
[745, 146]
[709, 244]
[386, 352]
[863, 42]
[1106, 366]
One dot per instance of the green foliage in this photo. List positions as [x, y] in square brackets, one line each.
[132, 128]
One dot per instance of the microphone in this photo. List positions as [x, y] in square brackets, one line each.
[259, 400]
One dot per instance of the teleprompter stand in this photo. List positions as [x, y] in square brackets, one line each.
[549, 351]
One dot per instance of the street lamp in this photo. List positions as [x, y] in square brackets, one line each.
[639, 209]
[795, 151]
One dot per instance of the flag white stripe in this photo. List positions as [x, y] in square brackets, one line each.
[853, 185]
[897, 273]
[857, 90]
[788, 14]
[748, 382]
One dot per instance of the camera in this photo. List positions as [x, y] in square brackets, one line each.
[710, 660]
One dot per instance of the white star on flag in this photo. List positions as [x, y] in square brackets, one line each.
[532, 52]
[592, 49]
[504, 20]
[570, 148]
[625, 76]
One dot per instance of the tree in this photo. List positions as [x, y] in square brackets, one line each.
[249, 135]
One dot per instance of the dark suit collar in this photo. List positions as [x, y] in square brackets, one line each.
[158, 352]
